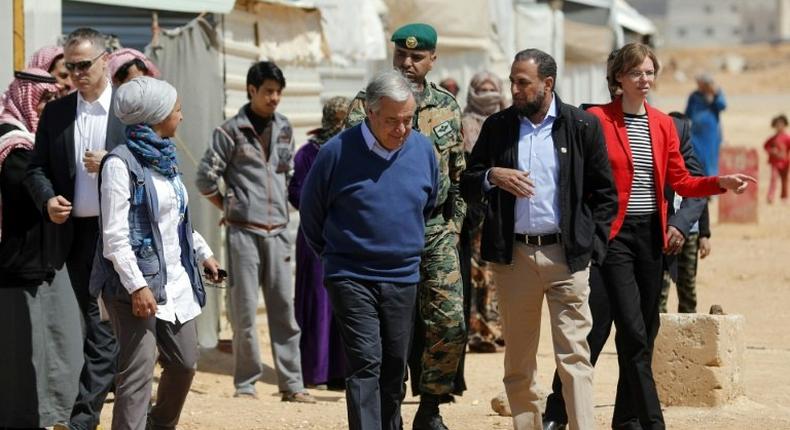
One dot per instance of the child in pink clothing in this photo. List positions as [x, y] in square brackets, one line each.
[778, 149]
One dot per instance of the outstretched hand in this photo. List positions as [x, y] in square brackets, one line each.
[737, 182]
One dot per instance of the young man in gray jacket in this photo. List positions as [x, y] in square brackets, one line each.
[252, 153]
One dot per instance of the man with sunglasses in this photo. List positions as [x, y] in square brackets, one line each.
[74, 134]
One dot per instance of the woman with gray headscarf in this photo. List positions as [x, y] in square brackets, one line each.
[485, 97]
[146, 267]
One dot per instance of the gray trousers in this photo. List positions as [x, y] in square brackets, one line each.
[42, 354]
[263, 262]
[139, 339]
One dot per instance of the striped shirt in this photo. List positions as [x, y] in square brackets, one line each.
[643, 191]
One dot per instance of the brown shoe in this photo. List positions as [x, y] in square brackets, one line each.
[478, 344]
[302, 397]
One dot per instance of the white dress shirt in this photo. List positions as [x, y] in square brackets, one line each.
[90, 134]
[181, 304]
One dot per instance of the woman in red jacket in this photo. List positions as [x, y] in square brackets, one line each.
[643, 149]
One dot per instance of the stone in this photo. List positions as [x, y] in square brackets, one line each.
[500, 405]
[698, 359]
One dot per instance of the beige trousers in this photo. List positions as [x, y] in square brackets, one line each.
[535, 272]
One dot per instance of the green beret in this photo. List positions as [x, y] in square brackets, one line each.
[415, 36]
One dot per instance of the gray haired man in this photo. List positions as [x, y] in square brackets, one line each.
[370, 247]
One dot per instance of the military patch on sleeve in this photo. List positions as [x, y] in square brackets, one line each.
[443, 129]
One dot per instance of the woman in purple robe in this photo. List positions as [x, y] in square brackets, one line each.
[321, 347]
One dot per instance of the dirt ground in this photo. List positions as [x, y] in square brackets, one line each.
[747, 273]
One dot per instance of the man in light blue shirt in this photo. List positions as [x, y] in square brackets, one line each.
[542, 167]
[538, 214]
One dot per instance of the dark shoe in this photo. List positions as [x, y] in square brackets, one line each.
[553, 425]
[428, 421]
[428, 417]
[303, 397]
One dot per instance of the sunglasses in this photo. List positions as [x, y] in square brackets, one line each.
[82, 65]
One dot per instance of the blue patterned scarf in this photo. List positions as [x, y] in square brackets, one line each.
[153, 151]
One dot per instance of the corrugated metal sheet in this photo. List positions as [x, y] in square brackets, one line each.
[131, 25]
[194, 6]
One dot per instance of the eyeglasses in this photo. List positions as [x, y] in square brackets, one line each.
[636, 74]
[82, 65]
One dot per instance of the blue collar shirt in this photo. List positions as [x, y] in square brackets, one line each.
[539, 214]
[374, 145]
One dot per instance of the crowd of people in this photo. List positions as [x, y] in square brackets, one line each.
[424, 229]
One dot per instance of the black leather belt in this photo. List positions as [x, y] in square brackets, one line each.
[539, 240]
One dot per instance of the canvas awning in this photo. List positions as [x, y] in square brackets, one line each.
[628, 17]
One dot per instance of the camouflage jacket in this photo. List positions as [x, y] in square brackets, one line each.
[439, 118]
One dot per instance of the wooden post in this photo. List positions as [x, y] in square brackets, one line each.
[19, 34]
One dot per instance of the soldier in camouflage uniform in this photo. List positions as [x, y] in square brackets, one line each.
[440, 332]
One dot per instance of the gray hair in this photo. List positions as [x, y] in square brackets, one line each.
[390, 84]
[98, 40]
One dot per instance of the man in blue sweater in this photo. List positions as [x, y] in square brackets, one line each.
[363, 210]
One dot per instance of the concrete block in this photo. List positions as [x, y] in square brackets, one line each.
[698, 359]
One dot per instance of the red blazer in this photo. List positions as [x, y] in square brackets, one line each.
[667, 161]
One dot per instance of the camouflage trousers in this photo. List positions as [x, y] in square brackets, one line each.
[440, 332]
[484, 325]
[687, 278]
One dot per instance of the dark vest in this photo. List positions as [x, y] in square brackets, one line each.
[145, 239]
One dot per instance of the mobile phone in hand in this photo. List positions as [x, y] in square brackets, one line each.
[221, 273]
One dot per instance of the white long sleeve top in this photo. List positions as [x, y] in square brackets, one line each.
[181, 305]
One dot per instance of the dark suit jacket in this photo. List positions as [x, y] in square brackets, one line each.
[691, 209]
[588, 198]
[51, 171]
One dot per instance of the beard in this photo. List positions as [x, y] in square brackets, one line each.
[530, 107]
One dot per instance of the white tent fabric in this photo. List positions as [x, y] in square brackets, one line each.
[289, 32]
[458, 23]
[354, 30]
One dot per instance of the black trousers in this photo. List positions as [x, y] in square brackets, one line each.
[100, 347]
[626, 290]
[376, 321]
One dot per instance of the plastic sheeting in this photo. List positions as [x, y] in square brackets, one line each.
[188, 58]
